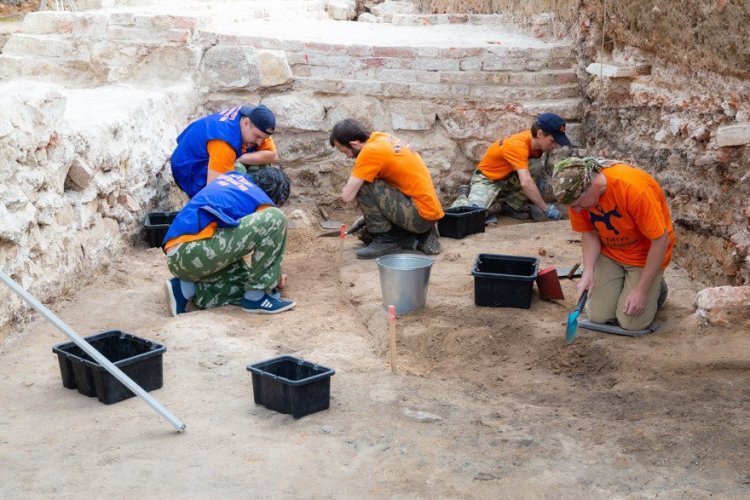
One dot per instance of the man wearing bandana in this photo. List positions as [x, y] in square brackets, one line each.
[627, 237]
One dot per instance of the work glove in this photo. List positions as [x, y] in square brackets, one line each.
[553, 213]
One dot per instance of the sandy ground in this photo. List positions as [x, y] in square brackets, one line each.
[489, 402]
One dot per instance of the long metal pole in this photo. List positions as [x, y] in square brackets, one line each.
[96, 355]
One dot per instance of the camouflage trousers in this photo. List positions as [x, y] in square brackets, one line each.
[384, 206]
[484, 191]
[217, 264]
[249, 169]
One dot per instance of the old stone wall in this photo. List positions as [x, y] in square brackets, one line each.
[77, 175]
[684, 116]
[91, 104]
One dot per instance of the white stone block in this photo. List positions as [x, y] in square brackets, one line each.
[366, 17]
[47, 22]
[274, 68]
[342, 10]
[389, 8]
[368, 110]
[412, 115]
[612, 70]
[733, 135]
[724, 305]
[227, 67]
[295, 111]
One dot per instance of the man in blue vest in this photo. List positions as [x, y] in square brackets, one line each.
[209, 238]
[211, 145]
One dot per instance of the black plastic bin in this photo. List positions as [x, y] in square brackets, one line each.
[157, 225]
[139, 359]
[459, 222]
[290, 385]
[504, 280]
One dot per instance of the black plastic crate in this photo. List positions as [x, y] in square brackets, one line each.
[459, 222]
[290, 385]
[139, 359]
[157, 225]
[504, 280]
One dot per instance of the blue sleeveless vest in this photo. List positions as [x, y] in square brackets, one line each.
[190, 158]
[226, 200]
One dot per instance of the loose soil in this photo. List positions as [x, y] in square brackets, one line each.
[488, 402]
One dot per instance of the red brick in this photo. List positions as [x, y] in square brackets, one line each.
[324, 47]
[179, 36]
[358, 50]
[373, 62]
[563, 78]
[393, 52]
[461, 53]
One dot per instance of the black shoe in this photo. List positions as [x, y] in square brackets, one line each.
[378, 248]
[536, 213]
[429, 242]
[663, 292]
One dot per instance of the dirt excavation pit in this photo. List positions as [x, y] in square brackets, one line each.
[488, 401]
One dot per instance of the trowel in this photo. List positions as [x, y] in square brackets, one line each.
[327, 223]
[358, 224]
[570, 330]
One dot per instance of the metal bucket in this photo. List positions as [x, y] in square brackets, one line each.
[404, 279]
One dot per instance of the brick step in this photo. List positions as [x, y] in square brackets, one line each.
[433, 19]
[488, 62]
[47, 46]
[73, 72]
[500, 79]
[100, 25]
[434, 90]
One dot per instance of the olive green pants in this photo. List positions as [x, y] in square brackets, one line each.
[614, 282]
[484, 191]
[384, 206]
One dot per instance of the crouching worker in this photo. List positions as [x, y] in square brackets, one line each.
[393, 189]
[238, 138]
[627, 238]
[510, 172]
[209, 238]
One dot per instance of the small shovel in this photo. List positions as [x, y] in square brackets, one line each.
[570, 330]
[358, 224]
[327, 223]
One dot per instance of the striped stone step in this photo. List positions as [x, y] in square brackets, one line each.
[433, 90]
[77, 73]
[500, 79]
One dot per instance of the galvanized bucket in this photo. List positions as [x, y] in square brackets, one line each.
[404, 279]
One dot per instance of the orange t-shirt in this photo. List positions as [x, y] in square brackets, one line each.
[631, 212]
[392, 160]
[221, 156]
[504, 157]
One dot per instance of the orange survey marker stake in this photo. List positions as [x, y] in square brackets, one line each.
[392, 336]
[341, 244]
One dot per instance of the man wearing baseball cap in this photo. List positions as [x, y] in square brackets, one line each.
[504, 174]
[627, 238]
[212, 145]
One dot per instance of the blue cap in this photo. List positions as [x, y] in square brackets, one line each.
[550, 123]
[262, 117]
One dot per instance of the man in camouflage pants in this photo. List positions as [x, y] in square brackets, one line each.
[208, 240]
[393, 188]
[510, 171]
